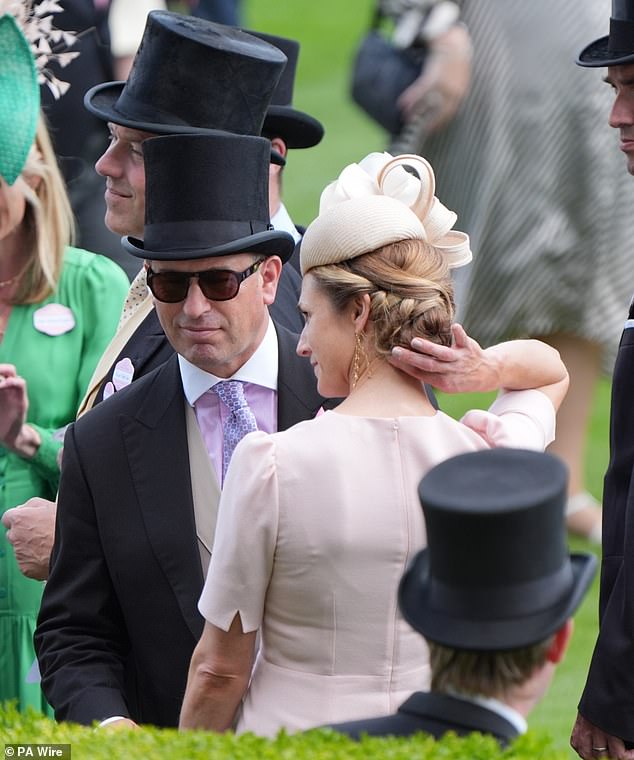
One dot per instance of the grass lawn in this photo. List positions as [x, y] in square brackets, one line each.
[328, 31]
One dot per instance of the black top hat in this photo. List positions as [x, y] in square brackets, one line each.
[618, 47]
[496, 574]
[296, 128]
[191, 75]
[207, 195]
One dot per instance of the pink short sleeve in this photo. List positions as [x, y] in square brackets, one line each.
[246, 535]
[517, 419]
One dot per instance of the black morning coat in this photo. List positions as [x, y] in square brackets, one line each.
[608, 697]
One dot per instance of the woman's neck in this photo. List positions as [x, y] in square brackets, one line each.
[384, 391]
[14, 256]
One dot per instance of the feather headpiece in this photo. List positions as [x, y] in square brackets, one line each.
[48, 43]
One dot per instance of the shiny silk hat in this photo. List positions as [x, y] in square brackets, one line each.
[19, 99]
[618, 47]
[189, 76]
[207, 195]
[496, 574]
[377, 202]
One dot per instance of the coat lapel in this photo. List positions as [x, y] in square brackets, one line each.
[146, 349]
[155, 439]
[112, 353]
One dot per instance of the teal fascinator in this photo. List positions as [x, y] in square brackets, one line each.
[29, 41]
[19, 98]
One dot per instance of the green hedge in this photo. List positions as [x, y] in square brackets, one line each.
[164, 744]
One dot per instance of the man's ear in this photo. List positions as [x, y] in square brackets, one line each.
[270, 271]
[278, 145]
[561, 639]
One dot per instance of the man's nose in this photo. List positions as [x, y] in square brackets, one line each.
[622, 112]
[108, 164]
[195, 302]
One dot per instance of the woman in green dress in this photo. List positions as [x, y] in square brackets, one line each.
[59, 307]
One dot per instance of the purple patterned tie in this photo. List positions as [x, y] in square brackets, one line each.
[240, 422]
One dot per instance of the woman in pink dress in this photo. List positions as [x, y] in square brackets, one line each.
[317, 524]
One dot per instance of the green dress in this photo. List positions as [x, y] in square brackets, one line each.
[57, 369]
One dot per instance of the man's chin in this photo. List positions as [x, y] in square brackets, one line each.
[118, 225]
[219, 360]
[114, 226]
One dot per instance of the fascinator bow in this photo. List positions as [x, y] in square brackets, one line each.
[380, 174]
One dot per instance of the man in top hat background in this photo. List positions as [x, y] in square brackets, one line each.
[286, 127]
[140, 344]
[167, 95]
[605, 723]
[493, 593]
[142, 472]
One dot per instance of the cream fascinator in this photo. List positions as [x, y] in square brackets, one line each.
[377, 202]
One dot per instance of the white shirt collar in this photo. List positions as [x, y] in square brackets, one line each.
[282, 221]
[261, 369]
[506, 711]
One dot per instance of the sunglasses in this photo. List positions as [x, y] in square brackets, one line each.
[215, 284]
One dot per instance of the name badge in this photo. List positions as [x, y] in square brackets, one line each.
[122, 374]
[54, 319]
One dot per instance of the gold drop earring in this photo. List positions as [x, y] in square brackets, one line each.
[356, 358]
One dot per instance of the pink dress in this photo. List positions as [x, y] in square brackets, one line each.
[315, 528]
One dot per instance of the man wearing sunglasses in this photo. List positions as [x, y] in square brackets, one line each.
[142, 471]
[166, 102]
[180, 100]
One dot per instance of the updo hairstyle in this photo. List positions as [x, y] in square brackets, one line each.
[410, 289]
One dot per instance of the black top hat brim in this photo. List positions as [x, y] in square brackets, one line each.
[101, 101]
[487, 634]
[296, 128]
[268, 243]
[598, 54]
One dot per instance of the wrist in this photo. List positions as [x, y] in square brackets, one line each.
[495, 360]
[27, 442]
[454, 43]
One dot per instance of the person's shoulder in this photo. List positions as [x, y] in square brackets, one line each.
[81, 263]
[303, 439]
[386, 725]
[284, 444]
